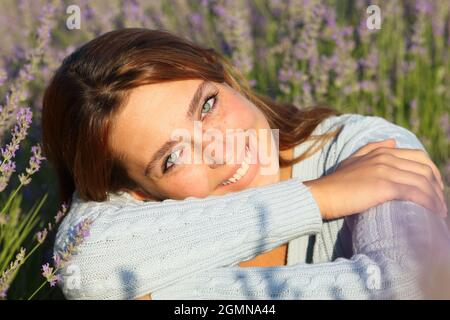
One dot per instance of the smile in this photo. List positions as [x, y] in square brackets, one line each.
[242, 170]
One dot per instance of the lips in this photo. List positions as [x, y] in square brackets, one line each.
[243, 169]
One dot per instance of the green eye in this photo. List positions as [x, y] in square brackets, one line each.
[172, 158]
[207, 106]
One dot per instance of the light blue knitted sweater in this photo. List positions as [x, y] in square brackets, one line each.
[190, 249]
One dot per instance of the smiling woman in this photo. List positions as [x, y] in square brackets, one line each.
[165, 226]
[120, 89]
[166, 175]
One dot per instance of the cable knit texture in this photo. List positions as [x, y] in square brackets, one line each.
[190, 249]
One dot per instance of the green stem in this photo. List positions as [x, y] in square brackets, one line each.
[11, 197]
[41, 286]
[37, 290]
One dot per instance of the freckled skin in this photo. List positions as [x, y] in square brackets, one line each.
[150, 116]
[147, 121]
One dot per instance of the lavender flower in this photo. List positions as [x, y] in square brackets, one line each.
[233, 20]
[196, 19]
[42, 235]
[57, 261]
[3, 76]
[48, 273]
[424, 6]
[61, 213]
[34, 165]
[19, 133]
[34, 57]
[6, 277]
[414, 120]
[417, 41]
[60, 259]
[132, 13]
[347, 67]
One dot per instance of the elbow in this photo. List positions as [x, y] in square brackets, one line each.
[409, 244]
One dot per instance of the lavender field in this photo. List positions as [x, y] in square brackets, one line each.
[302, 51]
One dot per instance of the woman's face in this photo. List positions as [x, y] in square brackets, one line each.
[156, 114]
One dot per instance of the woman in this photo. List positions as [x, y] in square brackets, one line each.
[164, 226]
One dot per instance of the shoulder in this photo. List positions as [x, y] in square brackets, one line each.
[353, 121]
[361, 129]
[355, 131]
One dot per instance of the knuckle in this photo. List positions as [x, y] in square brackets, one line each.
[421, 153]
[378, 150]
[424, 180]
[383, 157]
[380, 168]
[429, 172]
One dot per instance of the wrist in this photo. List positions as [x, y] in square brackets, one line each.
[315, 188]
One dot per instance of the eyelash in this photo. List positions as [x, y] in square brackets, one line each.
[214, 95]
[213, 107]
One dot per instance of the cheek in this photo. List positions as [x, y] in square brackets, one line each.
[236, 113]
[192, 180]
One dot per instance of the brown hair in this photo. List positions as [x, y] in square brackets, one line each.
[94, 82]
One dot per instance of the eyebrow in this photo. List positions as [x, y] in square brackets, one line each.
[170, 143]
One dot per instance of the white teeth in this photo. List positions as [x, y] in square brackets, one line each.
[242, 170]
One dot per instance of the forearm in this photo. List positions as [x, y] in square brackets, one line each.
[391, 243]
[384, 246]
[157, 244]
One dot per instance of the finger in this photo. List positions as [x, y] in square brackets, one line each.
[416, 195]
[365, 150]
[413, 179]
[374, 145]
[416, 155]
[418, 168]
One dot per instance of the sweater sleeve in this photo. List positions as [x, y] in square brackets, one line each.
[392, 245]
[140, 248]
[359, 130]
[399, 250]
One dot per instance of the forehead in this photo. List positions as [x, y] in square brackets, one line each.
[150, 114]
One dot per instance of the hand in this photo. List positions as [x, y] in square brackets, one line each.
[376, 173]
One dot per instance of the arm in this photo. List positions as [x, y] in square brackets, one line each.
[140, 248]
[391, 241]
[126, 249]
[391, 244]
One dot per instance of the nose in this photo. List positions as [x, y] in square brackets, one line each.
[213, 165]
[224, 149]
[214, 152]
[213, 160]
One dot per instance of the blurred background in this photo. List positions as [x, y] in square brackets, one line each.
[301, 51]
